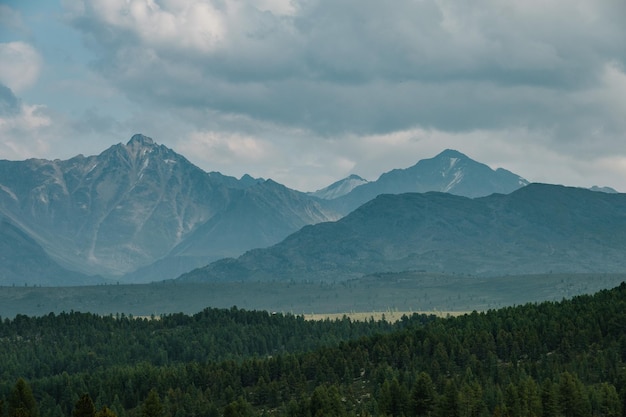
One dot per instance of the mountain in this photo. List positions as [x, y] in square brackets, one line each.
[133, 204]
[339, 188]
[112, 212]
[536, 229]
[256, 217]
[23, 261]
[450, 172]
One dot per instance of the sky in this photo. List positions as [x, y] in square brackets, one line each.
[308, 92]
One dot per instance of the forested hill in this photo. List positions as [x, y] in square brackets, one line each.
[550, 359]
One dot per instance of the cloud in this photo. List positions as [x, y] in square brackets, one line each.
[526, 152]
[361, 67]
[36, 131]
[21, 127]
[92, 121]
[221, 148]
[20, 65]
[309, 91]
[189, 25]
[294, 160]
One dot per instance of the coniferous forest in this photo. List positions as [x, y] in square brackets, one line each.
[550, 359]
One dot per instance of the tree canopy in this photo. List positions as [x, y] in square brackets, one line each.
[548, 359]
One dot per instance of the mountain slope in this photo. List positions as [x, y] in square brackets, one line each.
[138, 203]
[537, 229]
[450, 172]
[115, 211]
[256, 217]
[23, 261]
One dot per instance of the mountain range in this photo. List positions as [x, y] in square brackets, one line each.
[135, 204]
[535, 230]
[140, 212]
[449, 172]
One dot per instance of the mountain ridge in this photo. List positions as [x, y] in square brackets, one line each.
[140, 212]
[450, 171]
[125, 208]
[536, 229]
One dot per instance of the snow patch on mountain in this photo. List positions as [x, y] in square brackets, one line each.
[339, 188]
[458, 176]
[9, 192]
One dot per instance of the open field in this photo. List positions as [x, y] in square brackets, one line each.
[402, 292]
[390, 316]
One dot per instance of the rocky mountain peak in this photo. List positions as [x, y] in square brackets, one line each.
[451, 153]
[339, 188]
[139, 145]
[140, 140]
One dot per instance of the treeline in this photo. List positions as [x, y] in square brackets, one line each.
[548, 359]
[34, 347]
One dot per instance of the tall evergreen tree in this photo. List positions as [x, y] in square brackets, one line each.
[84, 407]
[549, 399]
[448, 405]
[512, 401]
[573, 399]
[21, 401]
[422, 396]
[152, 406]
[471, 402]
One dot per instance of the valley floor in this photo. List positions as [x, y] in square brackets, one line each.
[407, 292]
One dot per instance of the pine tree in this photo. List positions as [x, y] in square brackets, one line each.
[152, 406]
[549, 399]
[21, 401]
[448, 405]
[572, 396]
[611, 405]
[84, 407]
[422, 396]
[512, 401]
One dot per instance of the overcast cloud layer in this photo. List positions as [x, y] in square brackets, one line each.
[307, 92]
